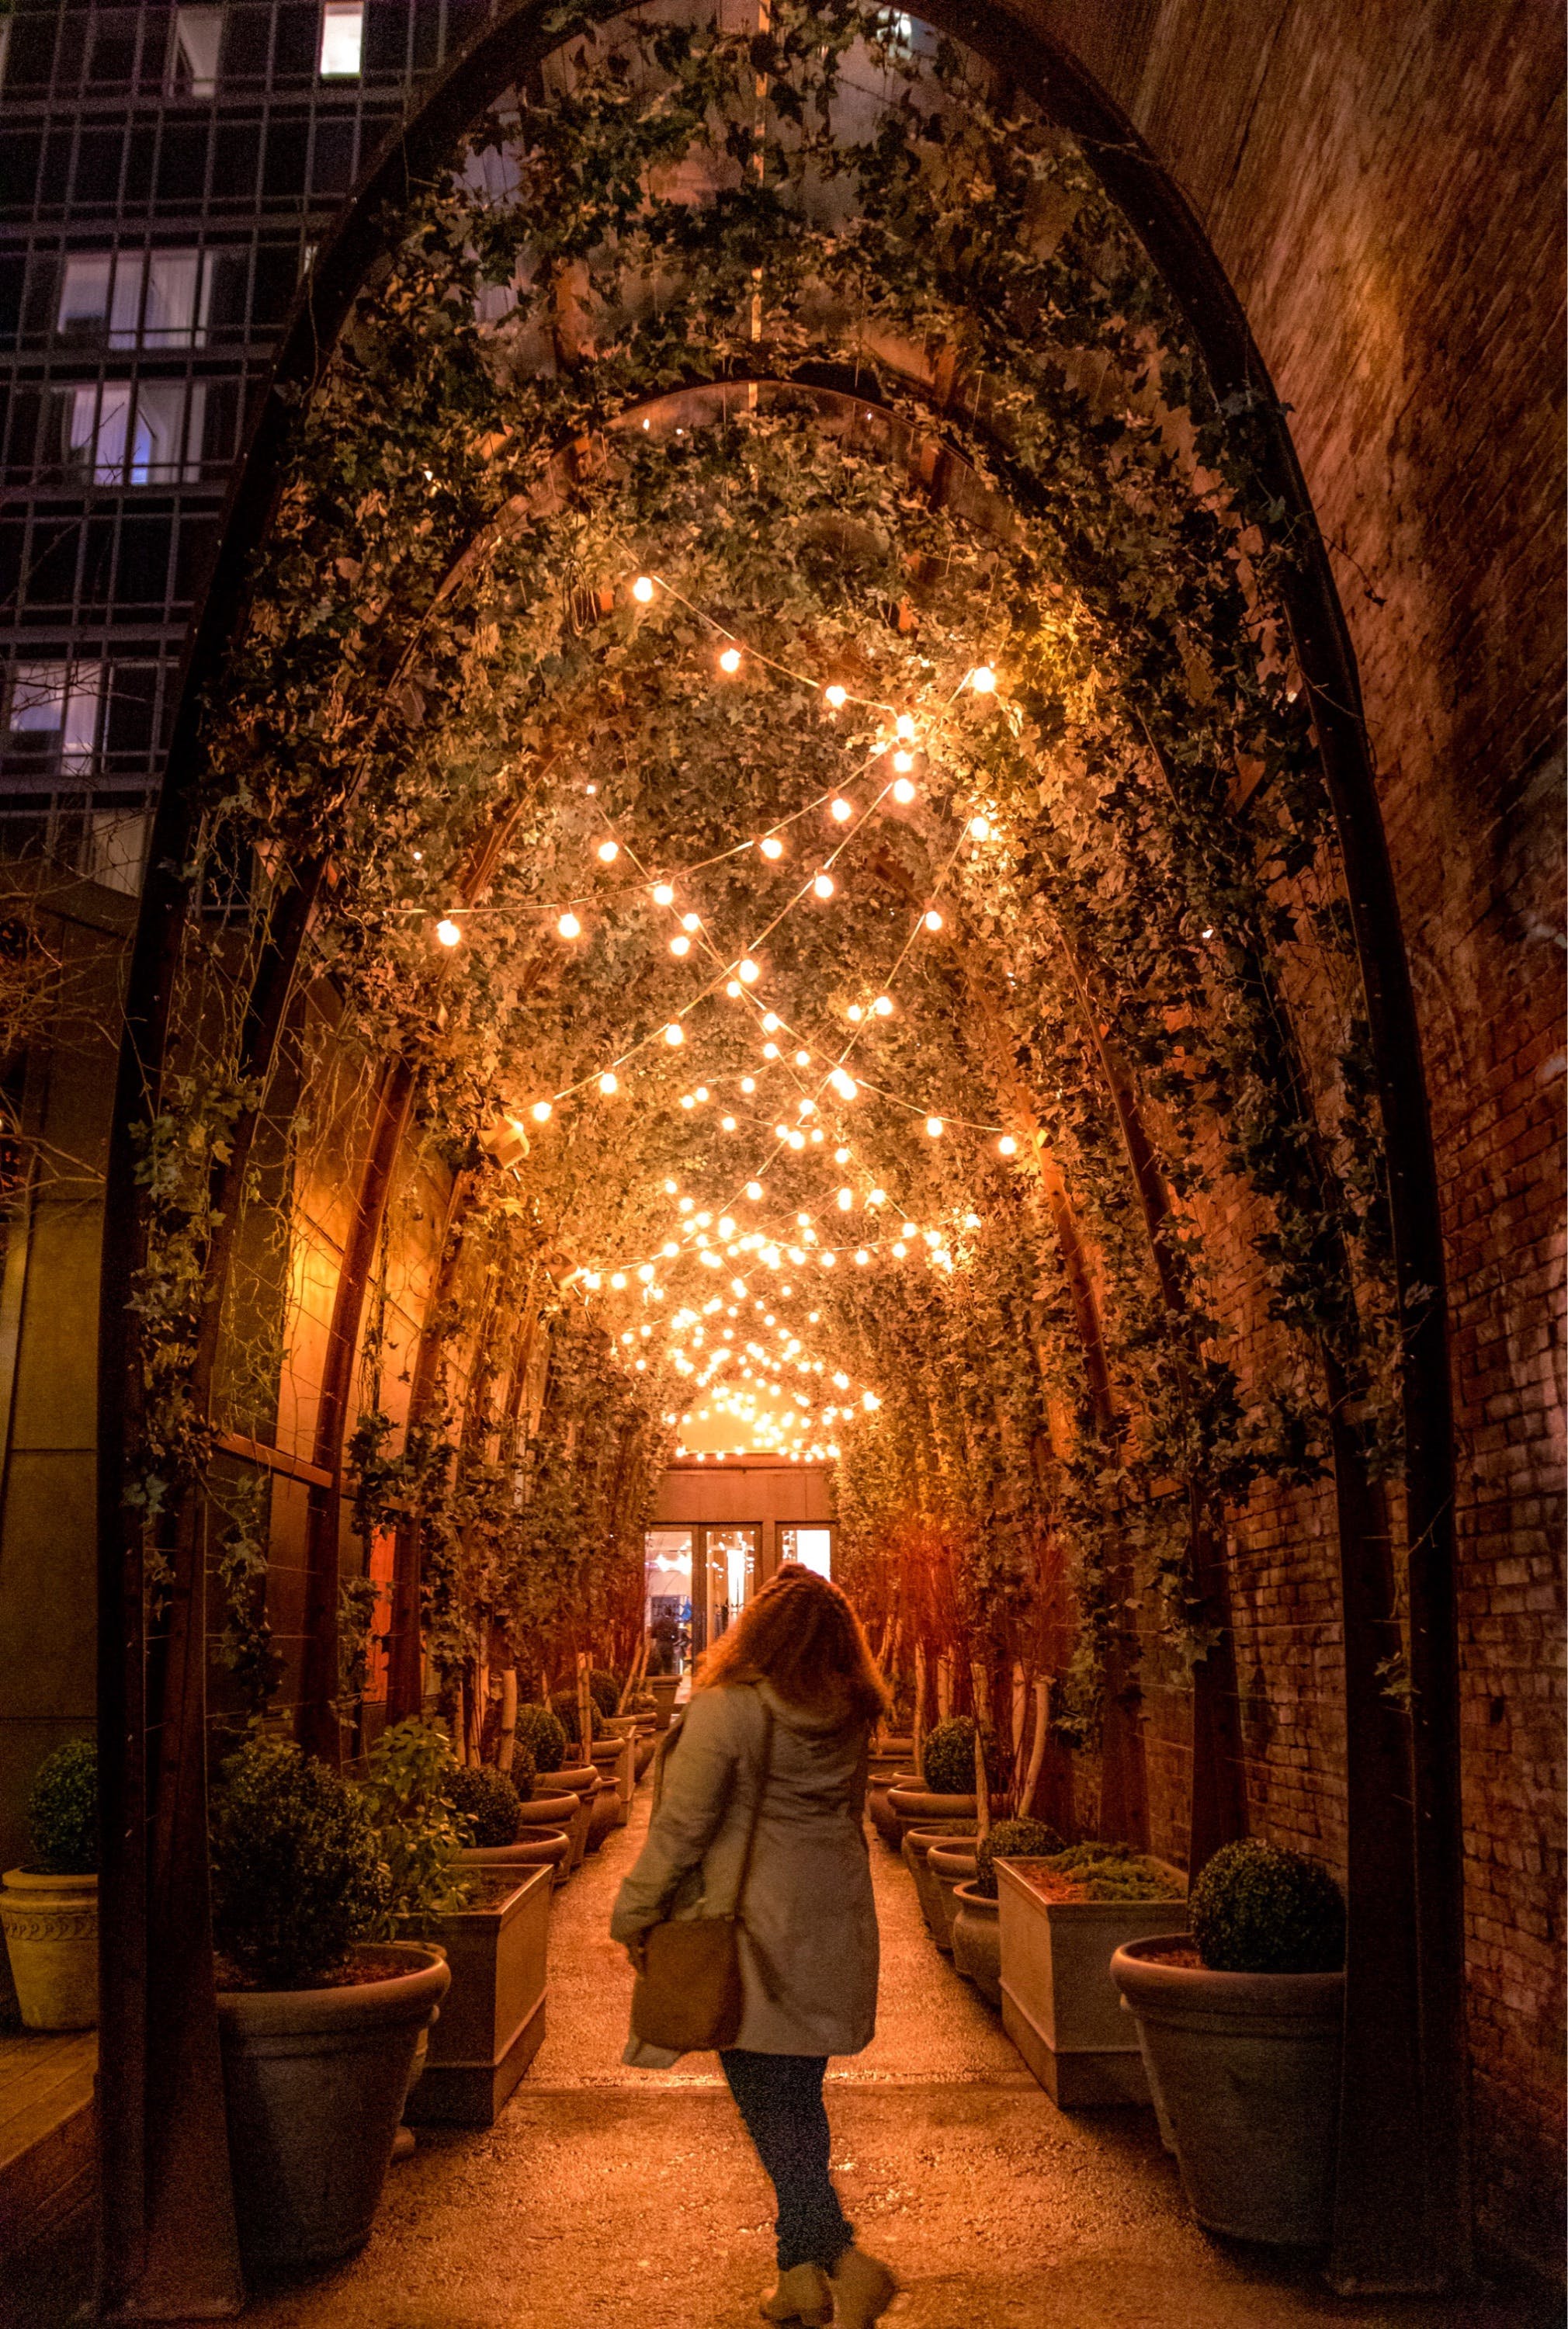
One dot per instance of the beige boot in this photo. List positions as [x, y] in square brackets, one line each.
[863, 2289]
[803, 2295]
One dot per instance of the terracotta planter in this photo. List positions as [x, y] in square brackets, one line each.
[950, 1864]
[581, 1783]
[917, 1845]
[912, 1806]
[615, 1762]
[558, 1808]
[976, 1941]
[1246, 2066]
[50, 1925]
[491, 2024]
[1060, 2004]
[540, 1847]
[604, 1816]
[662, 1689]
[883, 1818]
[647, 1747]
[314, 2082]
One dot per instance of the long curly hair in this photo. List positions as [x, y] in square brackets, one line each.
[801, 1636]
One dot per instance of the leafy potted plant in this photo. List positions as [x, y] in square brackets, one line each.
[487, 1802]
[490, 1923]
[49, 1909]
[319, 2011]
[1241, 2020]
[947, 1771]
[1060, 1916]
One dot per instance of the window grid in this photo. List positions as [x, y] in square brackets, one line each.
[164, 174]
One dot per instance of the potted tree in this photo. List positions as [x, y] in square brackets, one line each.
[49, 1909]
[319, 2011]
[1240, 2020]
[1060, 1916]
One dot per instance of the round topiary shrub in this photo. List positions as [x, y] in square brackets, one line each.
[62, 1811]
[1259, 1908]
[487, 1800]
[1012, 1839]
[605, 1688]
[563, 1705]
[297, 1875]
[540, 1739]
[947, 1757]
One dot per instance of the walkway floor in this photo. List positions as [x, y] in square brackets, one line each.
[630, 2198]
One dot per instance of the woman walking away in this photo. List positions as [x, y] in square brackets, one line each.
[758, 1814]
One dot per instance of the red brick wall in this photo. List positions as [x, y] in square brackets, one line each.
[1383, 188]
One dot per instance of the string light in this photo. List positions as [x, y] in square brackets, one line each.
[663, 894]
[904, 728]
[933, 920]
[935, 1128]
[680, 946]
[883, 1006]
[837, 696]
[771, 846]
[569, 927]
[904, 762]
[822, 887]
[449, 932]
[691, 922]
[983, 679]
[1007, 1146]
[748, 972]
[854, 1013]
[674, 1034]
[979, 828]
[608, 852]
[904, 791]
[729, 660]
[841, 812]
[642, 588]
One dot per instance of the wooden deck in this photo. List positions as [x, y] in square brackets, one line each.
[47, 2132]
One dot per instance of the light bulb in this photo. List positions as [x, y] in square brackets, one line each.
[933, 920]
[674, 1034]
[619, 1279]
[910, 1230]
[642, 588]
[843, 1083]
[983, 679]
[972, 1221]
[691, 921]
[680, 946]
[904, 791]
[883, 1006]
[771, 1021]
[837, 696]
[569, 927]
[782, 1131]
[754, 1190]
[748, 1083]
[701, 1093]
[822, 887]
[608, 852]
[670, 1249]
[899, 1248]
[862, 1258]
[904, 762]
[855, 1013]
[904, 727]
[827, 1259]
[686, 1101]
[663, 894]
[797, 1140]
[645, 1272]
[979, 828]
[749, 972]
[933, 1126]
[806, 1108]
[609, 1082]
[542, 1111]
[802, 1058]
[840, 812]
[846, 1200]
[771, 846]
[877, 1197]
[840, 1155]
[729, 660]
[1007, 1146]
[727, 1123]
[447, 931]
[732, 988]
[670, 1187]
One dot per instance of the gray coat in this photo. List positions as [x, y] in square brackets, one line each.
[809, 1950]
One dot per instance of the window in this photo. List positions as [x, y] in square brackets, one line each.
[811, 1547]
[137, 298]
[51, 717]
[114, 843]
[343, 33]
[193, 62]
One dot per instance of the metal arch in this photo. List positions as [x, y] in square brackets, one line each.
[1403, 2220]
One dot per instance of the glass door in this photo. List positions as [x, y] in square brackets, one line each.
[730, 1570]
[667, 1554]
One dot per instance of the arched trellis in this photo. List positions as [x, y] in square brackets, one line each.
[1402, 2216]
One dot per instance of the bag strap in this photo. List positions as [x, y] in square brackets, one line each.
[755, 1820]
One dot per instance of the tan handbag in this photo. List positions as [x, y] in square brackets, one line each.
[688, 1994]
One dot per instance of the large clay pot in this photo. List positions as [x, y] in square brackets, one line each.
[1245, 2067]
[556, 1808]
[917, 1845]
[882, 1817]
[976, 1941]
[581, 1782]
[314, 2081]
[912, 1806]
[539, 1847]
[646, 1749]
[604, 1815]
[50, 1925]
[662, 1689]
[951, 1862]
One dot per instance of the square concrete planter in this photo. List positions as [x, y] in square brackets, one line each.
[1060, 2004]
[492, 2019]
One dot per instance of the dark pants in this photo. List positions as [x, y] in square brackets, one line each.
[780, 2098]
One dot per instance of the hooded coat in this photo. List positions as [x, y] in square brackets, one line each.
[809, 1947]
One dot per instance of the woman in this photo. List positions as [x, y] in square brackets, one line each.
[785, 1706]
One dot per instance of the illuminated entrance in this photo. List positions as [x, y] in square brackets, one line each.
[718, 1531]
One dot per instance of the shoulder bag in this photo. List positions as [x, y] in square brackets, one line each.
[688, 1994]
